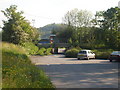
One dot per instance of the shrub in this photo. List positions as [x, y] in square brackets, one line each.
[44, 51]
[30, 48]
[72, 53]
[41, 51]
[48, 51]
[19, 72]
[102, 54]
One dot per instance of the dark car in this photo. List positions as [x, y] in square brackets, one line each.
[115, 55]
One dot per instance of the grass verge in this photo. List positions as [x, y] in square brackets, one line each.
[19, 72]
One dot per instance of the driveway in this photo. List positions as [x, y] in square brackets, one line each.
[73, 73]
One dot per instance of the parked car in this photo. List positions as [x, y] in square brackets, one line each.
[85, 54]
[115, 55]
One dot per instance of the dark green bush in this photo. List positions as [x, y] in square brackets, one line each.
[30, 48]
[102, 53]
[19, 72]
[72, 53]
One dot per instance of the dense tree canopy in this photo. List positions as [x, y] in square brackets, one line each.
[78, 18]
[103, 31]
[111, 27]
[17, 30]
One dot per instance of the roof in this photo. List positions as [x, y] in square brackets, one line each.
[52, 35]
[85, 50]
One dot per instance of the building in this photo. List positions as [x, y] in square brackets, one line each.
[53, 39]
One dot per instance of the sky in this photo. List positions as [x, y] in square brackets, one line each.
[43, 12]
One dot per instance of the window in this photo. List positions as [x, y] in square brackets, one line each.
[83, 52]
[116, 52]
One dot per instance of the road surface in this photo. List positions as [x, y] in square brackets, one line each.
[73, 73]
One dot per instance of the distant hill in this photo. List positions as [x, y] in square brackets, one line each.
[48, 29]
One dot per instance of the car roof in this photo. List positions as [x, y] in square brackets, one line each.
[85, 50]
[116, 51]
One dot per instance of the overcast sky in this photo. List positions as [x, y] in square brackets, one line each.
[51, 11]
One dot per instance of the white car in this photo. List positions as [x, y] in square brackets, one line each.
[85, 54]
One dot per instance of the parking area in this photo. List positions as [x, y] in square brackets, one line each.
[73, 73]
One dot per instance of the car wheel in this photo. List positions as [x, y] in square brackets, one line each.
[88, 58]
[110, 60]
[78, 58]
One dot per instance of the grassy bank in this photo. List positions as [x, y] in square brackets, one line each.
[19, 72]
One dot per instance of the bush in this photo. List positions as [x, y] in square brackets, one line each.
[41, 51]
[48, 51]
[44, 51]
[19, 72]
[72, 53]
[30, 48]
[102, 54]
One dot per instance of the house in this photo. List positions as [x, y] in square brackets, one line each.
[44, 41]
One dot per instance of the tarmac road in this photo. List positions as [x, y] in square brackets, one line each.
[73, 73]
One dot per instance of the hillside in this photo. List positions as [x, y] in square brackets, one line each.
[48, 29]
[18, 71]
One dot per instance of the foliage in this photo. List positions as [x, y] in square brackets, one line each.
[18, 72]
[48, 51]
[30, 48]
[102, 54]
[79, 22]
[78, 18]
[103, 31]
[109, 24]
[17, 30]
[44, 51]
[41, 51]
[64, 34]
[72, 53]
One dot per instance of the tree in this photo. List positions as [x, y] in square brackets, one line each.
[17, 30]
[102, 31]
[78, 18]
[111, 27]
[78, 21]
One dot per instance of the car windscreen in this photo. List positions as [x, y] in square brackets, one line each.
[82, 52]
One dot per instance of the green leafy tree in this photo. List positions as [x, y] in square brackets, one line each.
[77, 21]
[17, 30]
[111, 27]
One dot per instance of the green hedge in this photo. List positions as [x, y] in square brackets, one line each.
[30, 48]
[48, 51]
[19, 72]
[44, 51]
[41, 51]
[72, 53]
[102, 53]
[99, 53]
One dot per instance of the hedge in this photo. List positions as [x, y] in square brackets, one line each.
[102, 53]
[72, 53]
[44, 51]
